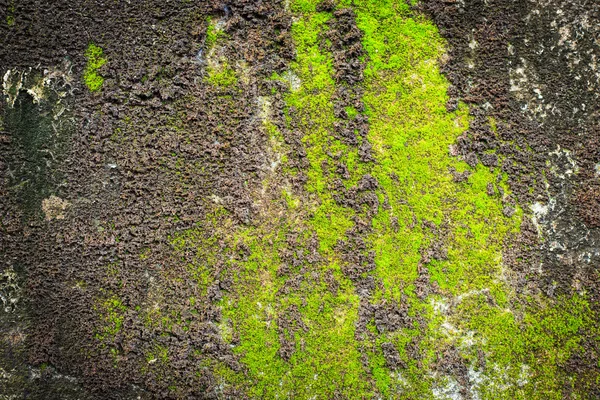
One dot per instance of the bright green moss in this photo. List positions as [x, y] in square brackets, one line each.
[221, 75]
[95, 59]
[325, 358]
[112, 311]
[411, 132]
[219, 72]
[351, 111]
[530, 351]
[213, 33]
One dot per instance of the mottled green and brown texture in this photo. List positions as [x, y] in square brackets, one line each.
[304, 199]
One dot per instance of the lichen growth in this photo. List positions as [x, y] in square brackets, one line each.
[54, 208]
[95, 60]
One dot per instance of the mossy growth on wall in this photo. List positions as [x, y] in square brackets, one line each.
[411, 132]
[10, 13]
[95, 60]
[290, 313]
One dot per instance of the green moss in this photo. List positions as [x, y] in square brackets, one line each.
[530, 349]
[145, 253]
[474, 311]
[10, 13]
[219, 72]
[331, 318]
[158, 354]
[221, 75]
[325, 357]
[112, 311]
[493, 124]
[351, 111]
[95, 59]
[213, 33]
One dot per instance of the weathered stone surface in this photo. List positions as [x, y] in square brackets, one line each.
[299, 199]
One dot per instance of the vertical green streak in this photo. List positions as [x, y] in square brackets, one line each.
[10, 13]
[411, 132]
[326, 359]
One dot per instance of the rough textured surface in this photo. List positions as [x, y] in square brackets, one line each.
[299, 199]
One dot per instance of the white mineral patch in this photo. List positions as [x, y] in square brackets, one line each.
[244, 71]
[524, 84]
[539, 210]
[14, 82]
[219, 25]
[450, 329]
[554, 245]
[4, 374]
[12, 86]
[264, 108]
[440, 306]
[399, 378]
[293, 80]
[9, 289]
[468, 340]
[476, 379]
[37, 91]
[567, 154]
[447, 389]
[473, 44]
[275, 163]
[517, 79]
[216, 199]
[564, 33]
[524, 375]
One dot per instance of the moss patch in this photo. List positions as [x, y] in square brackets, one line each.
[10, 13]
[112, 311]
[95, 59]
[221, 75]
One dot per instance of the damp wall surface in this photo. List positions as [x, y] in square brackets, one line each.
[302, 199]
